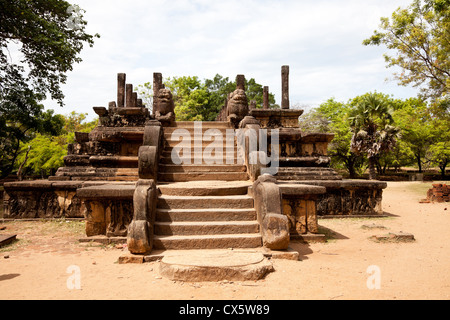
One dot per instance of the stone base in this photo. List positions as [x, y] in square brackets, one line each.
[277, 118]
[309, 237]
[6, 239]
[215, 265]
[347, 197]
[288, 254]
[394, 237]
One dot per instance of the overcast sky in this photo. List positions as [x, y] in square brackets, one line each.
[321, 41]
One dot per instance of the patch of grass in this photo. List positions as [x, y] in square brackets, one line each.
[54, 226]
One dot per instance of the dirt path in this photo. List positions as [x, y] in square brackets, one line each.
[36, 267]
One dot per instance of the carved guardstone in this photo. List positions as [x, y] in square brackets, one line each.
[165, 108]
[237, 107]
[140, 231]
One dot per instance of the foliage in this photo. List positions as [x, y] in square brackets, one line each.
[371, 124]
[45, 155]
[47, 151]
[19, 127]
[420, 37]
[145, 92]
[332, 117]
[414, 120]
[49, 46]
[197, 100]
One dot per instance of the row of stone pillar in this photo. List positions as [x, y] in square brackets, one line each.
[125, 95]
[127, 98]
[284, 90]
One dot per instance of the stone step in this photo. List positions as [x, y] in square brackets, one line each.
[173, 168]
[202, 176]
[307, 177]
[166, 158]
[169, 215]
[205, 142]
[206, 135]
[307, 173]
[205, 202]
[205, 124]
[205, 188]
[224, 241]
[181, 148]
[305, 169]
[205, 227]
[114, 161]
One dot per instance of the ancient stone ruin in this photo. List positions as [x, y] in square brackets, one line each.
[439, 193]
[253, 179]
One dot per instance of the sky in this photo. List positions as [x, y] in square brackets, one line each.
[320, 40]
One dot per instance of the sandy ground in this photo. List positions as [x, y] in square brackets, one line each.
[348, 266]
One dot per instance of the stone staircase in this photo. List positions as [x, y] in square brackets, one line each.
[203, 205]
[201, 163]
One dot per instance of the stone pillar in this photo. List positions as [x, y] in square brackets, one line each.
[129, 95]
[121, 78]
[240, 82]
[157, 85]
[266, 98]
[285, 87]
[134, 101]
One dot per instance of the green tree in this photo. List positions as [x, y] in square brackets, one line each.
[439, 152]
[336, 115]
[145, 92]
[197, 100]
[418, 134]
[45, 153]
[371, 125]
[20, 127]
[332, 117]
[50, 43]
[420, 38]
[190, 97]
[50, 35]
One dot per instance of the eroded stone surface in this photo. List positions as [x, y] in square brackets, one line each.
[215, 265]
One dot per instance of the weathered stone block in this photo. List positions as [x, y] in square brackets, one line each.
[275, 232]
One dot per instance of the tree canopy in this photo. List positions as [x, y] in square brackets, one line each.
[421, 137]
[45, 153]
[419, 36]
[197, 100]
[49, 35]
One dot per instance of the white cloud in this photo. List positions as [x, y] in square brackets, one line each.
[320, 40]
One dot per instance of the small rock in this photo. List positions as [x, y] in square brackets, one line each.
[394, 237]
[6, 257]
[373, 226]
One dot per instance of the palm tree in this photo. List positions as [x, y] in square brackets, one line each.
[373, 132]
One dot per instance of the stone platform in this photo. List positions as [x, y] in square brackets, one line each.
[6, 239]
[215, 265]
